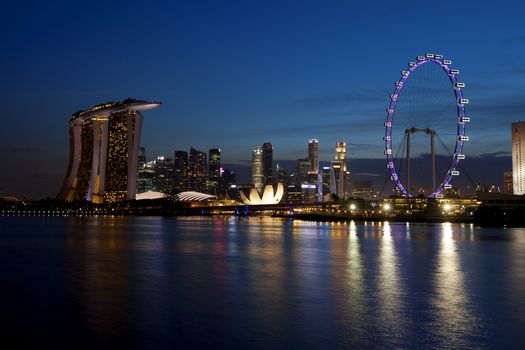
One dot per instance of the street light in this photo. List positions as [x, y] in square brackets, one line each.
[352, 206]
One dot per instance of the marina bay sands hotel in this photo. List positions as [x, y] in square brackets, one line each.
[103, 155]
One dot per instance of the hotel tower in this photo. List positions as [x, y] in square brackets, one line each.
[104, 149]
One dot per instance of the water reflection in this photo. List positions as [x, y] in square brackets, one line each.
[97, 273]
[389, 290]
[265, 282]
[354, 295]
[453, 318]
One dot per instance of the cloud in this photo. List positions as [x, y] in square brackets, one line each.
[353, 126]
[343, 98]
[511, 41]
[338, 99]
[494, 154]
[518, 70]
[505, 108]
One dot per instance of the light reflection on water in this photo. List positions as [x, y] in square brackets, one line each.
[262, 282]
[451, 304]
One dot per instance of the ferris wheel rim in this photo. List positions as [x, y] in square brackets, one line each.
[462, 120]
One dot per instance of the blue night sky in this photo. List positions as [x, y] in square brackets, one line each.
[235, 74]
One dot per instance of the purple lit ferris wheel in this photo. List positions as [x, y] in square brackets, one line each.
[462, 120]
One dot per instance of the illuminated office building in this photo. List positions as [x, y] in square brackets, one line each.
[302, 169]
[340, 152]
[337, 178]
[146, 177]
[180, 171]
[313, 155]
[344, 182]
[228, 183]
[257, 169]
[325, 182]
[214, 171]
[518, 158]
[104, 152]
[197, 171]
[163, 180]
[142, 156]
[267, 158]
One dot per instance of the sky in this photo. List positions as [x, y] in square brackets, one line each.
[235, 74]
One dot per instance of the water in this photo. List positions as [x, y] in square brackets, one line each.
[259, 283]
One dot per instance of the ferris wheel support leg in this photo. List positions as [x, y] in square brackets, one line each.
[433, 155]
[407, 135]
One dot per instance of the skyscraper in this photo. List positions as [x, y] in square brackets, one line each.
[267, 158]
[180, 171]
[146, 177]
[518, 158]
[281, 175]
[104, 150]
[163, 180]
[228, 183]
[337, 178]
[257, 169]
[302, 169]
[340, 155]
[325, 179]
[313, 151]
[214, 171]
[197, 170]
[142, 156]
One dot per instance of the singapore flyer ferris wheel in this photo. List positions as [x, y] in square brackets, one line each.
[461, 119]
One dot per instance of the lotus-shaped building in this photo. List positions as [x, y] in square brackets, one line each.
[268, 196]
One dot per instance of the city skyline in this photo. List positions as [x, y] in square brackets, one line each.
[236, 75]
